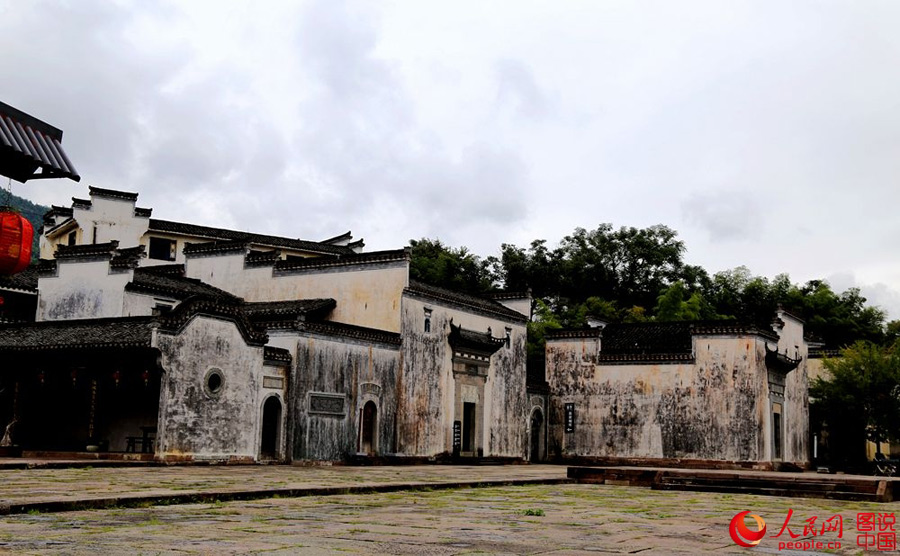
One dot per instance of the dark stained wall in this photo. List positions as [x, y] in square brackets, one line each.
[428, 388]
[333, 379]
[710, 409]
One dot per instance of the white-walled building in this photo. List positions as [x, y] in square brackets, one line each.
[191, 342]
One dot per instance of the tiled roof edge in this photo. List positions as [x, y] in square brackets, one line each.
[343, 260]
[467, 301]
[277, 355]
[112, 194]
[351, 331]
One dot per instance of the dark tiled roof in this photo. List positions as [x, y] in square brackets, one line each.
[122, 332]
[644, 358]
[482, 342]
[269, 311]
[174, 269]
[257, 239]
[46, 267]
[647, 338]
[87, 251]
[508, 295]
[112, 194]
[823, 353]
[27, 280]
[566, 333]
[152, 281]
[142, 212]
[261, 258]
[351, 331]
[28, 144]
[655, 342]
[731, 328]
[127, 258]
[215, 247]
[276, 355]
[781, 362]
[300, 263]
[57, 211]
[346, 236]
[81, 203]
[465, 300]
[126, 332]
[215, 307]
[70, 222]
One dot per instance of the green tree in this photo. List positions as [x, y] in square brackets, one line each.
[860, 399]
[543, 320]
[672, 306]
[437, 264]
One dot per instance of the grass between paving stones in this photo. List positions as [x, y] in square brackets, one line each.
[574, 515]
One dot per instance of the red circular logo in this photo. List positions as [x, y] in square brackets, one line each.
[742, 535]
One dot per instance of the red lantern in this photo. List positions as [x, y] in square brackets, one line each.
[16, 234]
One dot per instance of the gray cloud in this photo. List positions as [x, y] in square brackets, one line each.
[402, 120]
[725, 215]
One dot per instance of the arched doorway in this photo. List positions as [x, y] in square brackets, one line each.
[536, 452]
[271, 429]
[368, 433]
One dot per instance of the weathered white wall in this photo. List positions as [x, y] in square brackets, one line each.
[194, 423]
[366, 294]
[520, 305]
[138, 304]
[356, 370]
[796, 390]
[712, 409]
[113, 219]
[427, 404]
[82, 290]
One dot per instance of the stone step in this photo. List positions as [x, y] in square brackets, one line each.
[772, 491]
[807, 485]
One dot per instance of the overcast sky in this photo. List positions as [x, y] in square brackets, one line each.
[766, 133]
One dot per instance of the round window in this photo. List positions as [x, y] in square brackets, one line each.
[214, 382]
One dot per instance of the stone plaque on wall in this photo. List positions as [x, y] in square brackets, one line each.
[537, 400]
[273, 382]
[329, 404]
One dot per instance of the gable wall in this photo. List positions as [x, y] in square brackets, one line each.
[353, 372]
[82, 290]
[427, 385]
[194, 423]
[367, 294]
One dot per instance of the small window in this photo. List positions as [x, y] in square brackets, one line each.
[161, 309]
[427, 320]
[508, 336]
[71, 239]
[213, 382]
[162, 249]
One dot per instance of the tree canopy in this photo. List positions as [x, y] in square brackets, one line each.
[637, 274]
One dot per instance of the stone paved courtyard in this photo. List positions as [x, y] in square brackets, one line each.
[530, 519]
